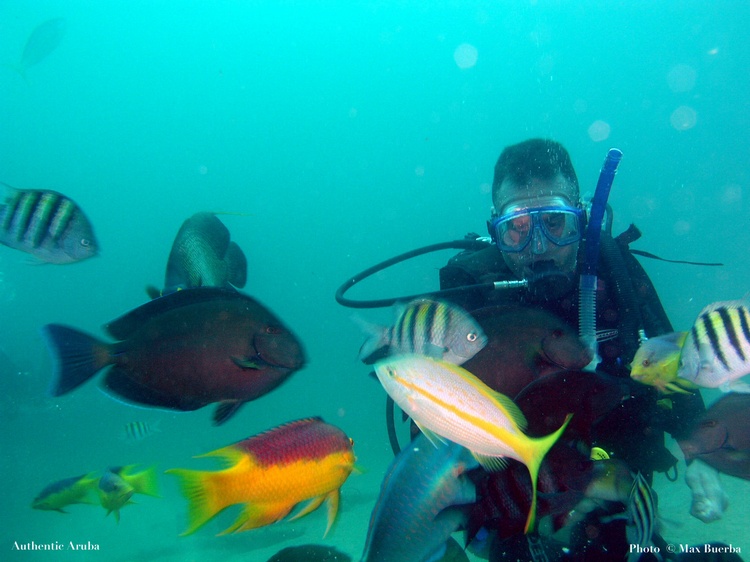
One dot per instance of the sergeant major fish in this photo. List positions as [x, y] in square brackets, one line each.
[47, 225]
[447, 401]
[716, 353]
[306, 460]
[183, 351]
[428, 327]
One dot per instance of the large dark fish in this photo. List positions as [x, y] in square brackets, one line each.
[524, 344]
[721, 437]
[41, 43]
[203, 255]
[183, 351]
[47, 225]
[425, 496]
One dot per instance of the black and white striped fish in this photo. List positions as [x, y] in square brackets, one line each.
[716, 353]
[139, 430]
[430, 327]
[47, 225]
[642, 513]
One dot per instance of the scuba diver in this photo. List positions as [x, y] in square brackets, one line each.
[537, 229]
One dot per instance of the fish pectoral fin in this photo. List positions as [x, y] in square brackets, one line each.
[332, 501]
[246, 362]
[257, 515]
[434, 351]
[432, 437]
[230, 456]
[491, 464]
[309, 507]
[678, 386]
[225, 410]
[736, 386]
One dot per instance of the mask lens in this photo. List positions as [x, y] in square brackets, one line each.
[561, 226]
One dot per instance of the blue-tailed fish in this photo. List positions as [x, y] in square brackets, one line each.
[46, 224]
[428, 327]
[425, 496]
[447, 401]
[66, 492]
[657, 362]
[716, 353]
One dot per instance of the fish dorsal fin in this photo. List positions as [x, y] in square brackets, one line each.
[229, 456]
[491, 464]
[124, 326]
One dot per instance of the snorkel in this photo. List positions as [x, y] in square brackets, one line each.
[588, 280]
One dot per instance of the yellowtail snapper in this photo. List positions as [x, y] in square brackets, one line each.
[47, 225]
[430, 327]
[447, 401]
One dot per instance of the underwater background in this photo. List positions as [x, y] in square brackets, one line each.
[342, 133]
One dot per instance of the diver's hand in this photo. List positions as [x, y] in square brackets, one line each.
[709, 500]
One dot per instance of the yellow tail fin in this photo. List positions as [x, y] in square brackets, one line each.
[203, 502]
[539, 448]
[144, 482]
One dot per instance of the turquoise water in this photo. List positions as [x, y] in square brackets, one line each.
[347, 132]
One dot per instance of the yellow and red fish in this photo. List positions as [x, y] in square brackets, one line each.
[270, 473]
[446, 400]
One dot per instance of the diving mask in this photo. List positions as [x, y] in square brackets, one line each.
[514, 230]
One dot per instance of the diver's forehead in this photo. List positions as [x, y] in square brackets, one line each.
[536, 193]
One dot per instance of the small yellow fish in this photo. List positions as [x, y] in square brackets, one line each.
[65, 492]
[657, 362]
[447, 401]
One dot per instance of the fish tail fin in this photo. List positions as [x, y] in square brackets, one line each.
[199, 489]
[144, 482]
[78, 357]
[236, 265]
[539, 450]
[377, 337]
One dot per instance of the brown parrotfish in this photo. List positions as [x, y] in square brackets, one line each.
[183, 351]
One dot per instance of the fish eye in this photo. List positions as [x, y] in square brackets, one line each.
[472, 336]
[646, 362]
[85, 242]
[273, 330]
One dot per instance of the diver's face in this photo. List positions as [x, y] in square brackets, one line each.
[538, 193]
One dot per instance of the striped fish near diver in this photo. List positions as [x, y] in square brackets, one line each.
[642, 513]
[139, 430]
[716, 353]
[47, 225]
[430, 327]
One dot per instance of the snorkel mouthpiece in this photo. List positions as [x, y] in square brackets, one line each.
[548, 282]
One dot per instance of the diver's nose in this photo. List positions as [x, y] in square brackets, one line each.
[538, 241]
